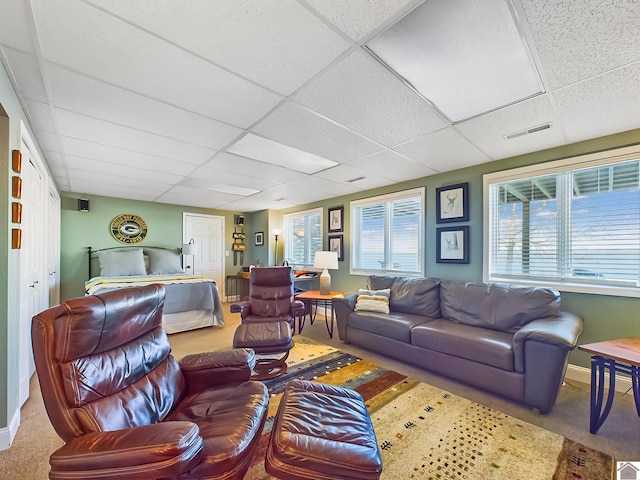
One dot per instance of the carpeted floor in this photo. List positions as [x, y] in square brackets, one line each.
[426, 432]
[619, 436]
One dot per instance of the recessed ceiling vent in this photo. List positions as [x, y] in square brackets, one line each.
[527, 131]
[357, 179]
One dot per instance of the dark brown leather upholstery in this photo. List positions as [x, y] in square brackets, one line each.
[271, 297]
[127, 409]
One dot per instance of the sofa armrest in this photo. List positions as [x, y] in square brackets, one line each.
[205, 370]
[561, 332]
[342, 306]
[161, 450]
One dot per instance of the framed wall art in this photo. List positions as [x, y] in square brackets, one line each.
[452, 244]
[336, 245]
[336, 219]
[258, 239]
[452, 203]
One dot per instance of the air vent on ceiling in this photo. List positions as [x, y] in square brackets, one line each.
[527, 131]
[357, 179]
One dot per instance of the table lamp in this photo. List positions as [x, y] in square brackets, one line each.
[189, 250]
[325, 261]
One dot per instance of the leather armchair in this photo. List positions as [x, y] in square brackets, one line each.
[127, 409]
[271, 298]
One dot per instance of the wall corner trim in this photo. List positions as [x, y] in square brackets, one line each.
[7, 434]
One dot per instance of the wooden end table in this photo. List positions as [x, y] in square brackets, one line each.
[311, 299]
[611, 356]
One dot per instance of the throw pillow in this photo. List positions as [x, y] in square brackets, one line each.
[164, 262]
[373, 300]
[121, 263]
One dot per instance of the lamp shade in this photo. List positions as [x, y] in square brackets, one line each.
[188, 249]
[326, 260]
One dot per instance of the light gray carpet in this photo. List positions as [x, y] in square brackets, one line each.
[619, 436]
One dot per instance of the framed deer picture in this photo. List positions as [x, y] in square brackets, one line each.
[452, 203]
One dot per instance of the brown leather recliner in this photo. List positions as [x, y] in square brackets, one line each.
[127, 409]
[271, 298]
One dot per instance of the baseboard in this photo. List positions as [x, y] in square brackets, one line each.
[7, 434]
[582, 374]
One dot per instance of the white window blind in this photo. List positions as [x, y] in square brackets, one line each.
[387, 234]
[303, 237]
[577, 223]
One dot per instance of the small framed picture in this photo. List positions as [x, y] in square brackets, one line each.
[452, 203]
[335, 245]
[452, 244]
[336, 219]
[258, 238]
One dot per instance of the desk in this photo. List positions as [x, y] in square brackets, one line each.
[311, 299]
[622, 355]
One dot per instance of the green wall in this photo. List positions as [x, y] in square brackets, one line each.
[83, 229]
[606, 317]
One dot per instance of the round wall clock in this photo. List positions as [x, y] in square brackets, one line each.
[127, 228]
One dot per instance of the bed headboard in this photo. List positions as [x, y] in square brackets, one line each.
[94, 265]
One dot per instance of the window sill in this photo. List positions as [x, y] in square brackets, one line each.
[610, 290]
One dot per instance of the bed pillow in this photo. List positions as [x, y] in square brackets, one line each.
[121, 264]
[163, 262]
[373, 300]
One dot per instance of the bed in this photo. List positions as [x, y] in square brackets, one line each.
[192, 301]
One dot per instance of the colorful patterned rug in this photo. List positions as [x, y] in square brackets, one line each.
[428, 433]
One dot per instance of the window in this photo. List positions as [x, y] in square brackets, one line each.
[302, 237]
[387, 234]
[573, 223]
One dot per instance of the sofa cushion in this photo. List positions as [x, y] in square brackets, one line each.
[396, 326]
[420, 296]
[373, 300]
[496, 306]
[482, 345]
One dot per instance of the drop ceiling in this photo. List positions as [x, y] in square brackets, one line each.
[167, 101]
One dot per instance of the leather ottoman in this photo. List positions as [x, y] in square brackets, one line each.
[266, 339]
[322, 432]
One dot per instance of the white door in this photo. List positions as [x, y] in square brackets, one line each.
[207, 232]
[32, 281]
[53, 246]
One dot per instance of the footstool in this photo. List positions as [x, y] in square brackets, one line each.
[322, 432]
[266, 339]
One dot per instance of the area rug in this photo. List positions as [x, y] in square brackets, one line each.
[428, 433]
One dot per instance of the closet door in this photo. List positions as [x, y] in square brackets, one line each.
[53, 245]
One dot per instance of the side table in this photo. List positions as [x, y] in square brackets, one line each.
[311, 299]
[611, 356]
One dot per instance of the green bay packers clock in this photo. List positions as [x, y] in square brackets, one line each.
[127, 228]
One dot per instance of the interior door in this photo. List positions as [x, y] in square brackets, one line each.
[53, 246]
[32, 281]
[207, 232]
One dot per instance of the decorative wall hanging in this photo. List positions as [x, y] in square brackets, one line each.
[258, 238]
[16, 161]
[452, 203]
[336, 219]
[16, 187]
[128, 228]
[452, 244]
[16, 212]
[238, 245]
[336, 245]
[16, 238]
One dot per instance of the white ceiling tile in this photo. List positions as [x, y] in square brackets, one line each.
[93, 98]
[211, 174]
[358, 18]
[294, 125]
[114, 179]
[577, 40]
[249, 37]
[344, 173]
[83, 36]
[55, 158]
[487, 132]
[207, 195]
[117, 156]
[106, 133]
[191, 199]
[602, 105]
[393, 166]
[40, 115]
[252, 168]
[442, 151]
[115, 171]
[26, 70]
[252, 204]
[89, 186]
[48, 141]
[15, 25]
[365, 97]
[219, 186]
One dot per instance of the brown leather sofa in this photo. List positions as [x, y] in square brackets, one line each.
[127, 409]
[510, 340]
[271, 298]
